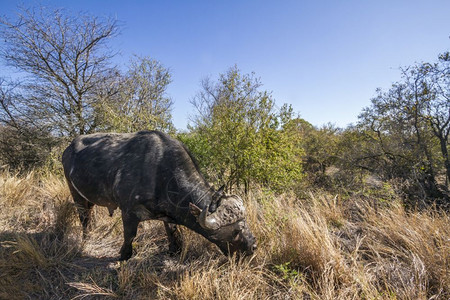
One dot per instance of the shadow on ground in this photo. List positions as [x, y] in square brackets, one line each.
[43, 265]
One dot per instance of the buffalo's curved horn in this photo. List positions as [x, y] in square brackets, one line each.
[208, 222]
[231, 210]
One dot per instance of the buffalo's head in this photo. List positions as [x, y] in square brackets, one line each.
[226, 226]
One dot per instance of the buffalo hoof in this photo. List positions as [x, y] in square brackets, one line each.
[125, 253]
[124, 257]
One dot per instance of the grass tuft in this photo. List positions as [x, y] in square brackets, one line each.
[321, 246]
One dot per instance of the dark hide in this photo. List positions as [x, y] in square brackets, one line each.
[150, 175]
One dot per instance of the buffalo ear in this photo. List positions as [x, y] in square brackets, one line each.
[194, 210]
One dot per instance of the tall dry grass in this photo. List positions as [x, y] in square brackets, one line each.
[319, 247]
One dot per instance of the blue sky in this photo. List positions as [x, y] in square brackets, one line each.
[325, 58]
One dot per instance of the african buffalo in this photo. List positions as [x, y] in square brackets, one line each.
[150, 175]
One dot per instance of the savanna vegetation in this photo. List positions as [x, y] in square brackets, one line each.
[339, 213]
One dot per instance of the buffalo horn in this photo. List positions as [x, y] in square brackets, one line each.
[208, 222]
[229, 212]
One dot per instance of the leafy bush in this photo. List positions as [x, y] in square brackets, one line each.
[25, 149]
[239, 137]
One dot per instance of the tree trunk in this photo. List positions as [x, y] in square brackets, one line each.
[443, 143]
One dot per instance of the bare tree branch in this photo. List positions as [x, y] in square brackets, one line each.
[66, 59]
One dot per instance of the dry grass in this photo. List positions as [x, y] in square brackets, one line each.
[320, 247]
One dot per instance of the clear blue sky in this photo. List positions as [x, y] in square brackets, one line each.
[326, 58]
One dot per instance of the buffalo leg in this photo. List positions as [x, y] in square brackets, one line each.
[84, 209]
[175, 241]
[130, 225]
